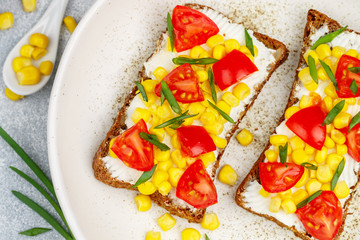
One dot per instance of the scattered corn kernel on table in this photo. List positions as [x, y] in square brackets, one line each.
[25, 120]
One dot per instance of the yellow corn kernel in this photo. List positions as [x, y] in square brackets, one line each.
[168, 45]
[153, 236]
[140, 113]
[321, 155]
[219, 142]
[204, 54]
[46, 68]
[350, 101]
[346, 106]
[333, 160]
[303, 179]
[241, 91]
[158, 177]
[196, 108]
[286, 194]
[326, 187]
[245, 50]
[164, 188]
[147, 188]
[322, 74]
[330, 91]
[299, 196]
[70, 23]
[38, 53]
[29, 5]
[207, 158]
[189, 121]
[309, 149]
[290, 111]
[328, 103]
[159, 73]
[323, 51]
[12, 96]
[230, 99]
[215, 40]
[143, 202]
[313, 172]
[224, 106]
[324, 173]
[218, 52]
[271, 155]
[313, 186]
[20, 62]
[311, 86]
[341, 149]
[264, 193]
[306, 101]
[161, 156]
[6, 20]
[245, 137]
[304, 76]
[111, 153]
[210, 221]
[342, 120]
[190, 234]
[329, 143]
[160, 133]
[341, 190]
[174, 175]
[203, 75]
[39, 40]
[256, 51]
[275, 204]
[227, 175]
[296, 142]
[28, 75]
[331, 61]
[175, 141]
[149, 85]
[178, 159]
[165, 165]
[26, 50]
[166, 222]
[312, 53]
[299, 156]
[208, 118]
[352, 53]
[337, 136]
[288, 205]
[215, 128]
[196, 51]
[164, 111]
[231, 44]
[151, 103]
[337, 51]
[329, 128]
[278, 140]
[358, 56]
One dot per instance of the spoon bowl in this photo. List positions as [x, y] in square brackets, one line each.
[49, 24]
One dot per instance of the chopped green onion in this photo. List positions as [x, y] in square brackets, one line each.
[328, 37]
[222, 113]
[334, 112]
[206, 237]
[354, 87]
[175, 120]
[171, 31]
[309, 199]
[197, 61]
[170, 97]
[145, 176]
[35, 231]
[312, 68]
[142, 91]
[249, 42]
[354, 69]
[330, 74]
[212, 85]
[309, 166]
[354, 121]
[176, 125]
[283, 153]
[162, 97]
[337, 174]
[153, 139]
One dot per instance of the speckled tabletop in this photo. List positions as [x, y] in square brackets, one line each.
[26, 121]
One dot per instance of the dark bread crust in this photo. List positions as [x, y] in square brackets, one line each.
[102, 173]
[315, 20]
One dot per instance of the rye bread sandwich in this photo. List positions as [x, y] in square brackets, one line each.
[308, 173]
[169, 136]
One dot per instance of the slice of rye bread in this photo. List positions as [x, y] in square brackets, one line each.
[192, 215]
[315, 20]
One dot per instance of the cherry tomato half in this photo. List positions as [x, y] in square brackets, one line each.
[353, 142]
[344, 77]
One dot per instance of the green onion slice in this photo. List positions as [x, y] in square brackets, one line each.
[309, 199]
[283, 153]
[249, 42]
[170, 97]
[354, 121]
[337, 174]
[142, 91]
[193, 61]
[145, 176]
[328, 37]
[222, 113]
[309, 166]
[334, 112]
[212, 85]
[313, 71]
[176, 125]
[162, 97]
[354, 87]
[330, 74]
[354, 69]
[175, 120]
[171, 31]
[153, 139]
[206, 237]
[35, 231]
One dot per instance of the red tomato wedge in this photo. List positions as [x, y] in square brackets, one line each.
[307, 124]
[276, 177]
[191, 28]
[322, 217]
[232, 68]
[184, 84]
[344, 77]
[194, 140]
[353, 142]
[134, 151]
[196, 187]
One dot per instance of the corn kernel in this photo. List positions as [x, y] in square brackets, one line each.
[341, 190]
[299, 156]
[224, 106]
[164, 188]
[111, 153]
[20, 62]
[329, 128]
[311, 86]
[331, 61]
[290, 111]
[264, 193]
[333, 160]
[323, 50]
[321, 155]
[278, 140]
[140, 113]
[337, 136]
[219, 142]
[328, 103]
[153, 236]
[341, 149]
[147, 188]
[160, 133]
[337, 51]
[352, 53]
[231, 44]
[161, 156]
[215, 128]
[256, 51]
[39, 40]
[313, 172]
[164, 111]
[207, 158]
[166, 222]
[29, 5]
[208, 118]
[312, 186]
[6, 20]
[204, 54]
[322, 74]
[350, 101]
[159, 73]
[303, 179]
[326, 187]
[38, 53]
[174, 175]
[241, 91]
[304, 76]
[190, 234]
[271, 155]
[342, 120]
[26, 50]
[245, 50]
[158, 177]
[329, 143]
[309, 149]
[330, 91]
[296, 142]
[289, 206]
[203, 75]
[228, 175]
[306, 101]
[28, 75]
[215, 40]
[275, 204]
[285, 194]
[70, 23]
[196, 51]
[178, 159]
[230, 99]
[46, 68]
[245, 137]
[12, 96]
[210, 221]
[324, 173]
[149, 85]
[358, 56]
[165, 165]
[312, 53]
[143, 202]
[299, 196]
[196, 108]
[219, 52]
[175, 141]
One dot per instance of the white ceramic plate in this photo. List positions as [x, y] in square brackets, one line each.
[96, 72]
